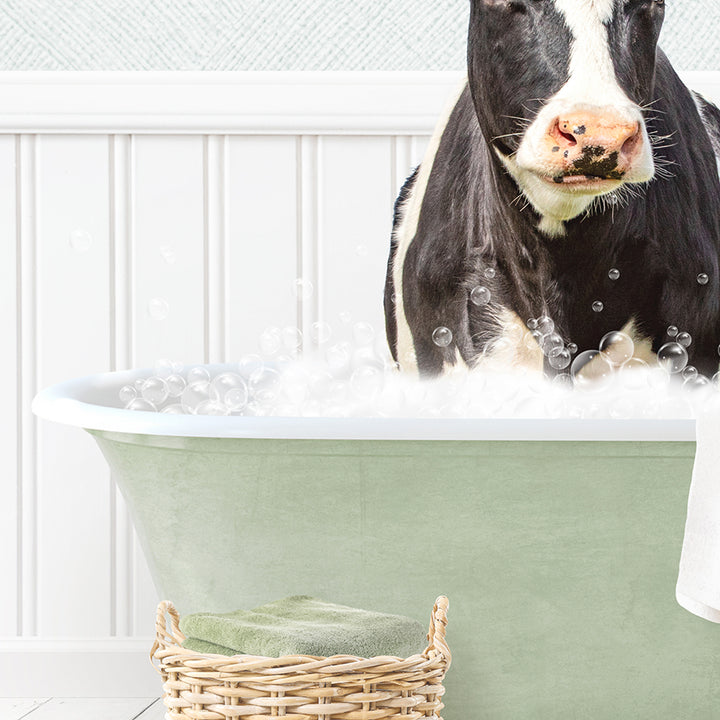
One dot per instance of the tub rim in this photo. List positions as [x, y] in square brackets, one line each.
[77, 402]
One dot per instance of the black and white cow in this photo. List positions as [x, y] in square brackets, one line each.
[573, 149]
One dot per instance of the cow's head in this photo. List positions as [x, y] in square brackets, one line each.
[559, 87]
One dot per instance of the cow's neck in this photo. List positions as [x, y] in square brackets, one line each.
[537, 264]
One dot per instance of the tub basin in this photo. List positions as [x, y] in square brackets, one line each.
[557, 542]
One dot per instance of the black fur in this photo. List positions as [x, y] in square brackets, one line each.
[389, 300]
[660, 240]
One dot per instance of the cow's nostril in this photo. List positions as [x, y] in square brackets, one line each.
[570, 139]
[631, 144]
[562, 136]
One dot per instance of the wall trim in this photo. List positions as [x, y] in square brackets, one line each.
[90, 667]
[341, 103]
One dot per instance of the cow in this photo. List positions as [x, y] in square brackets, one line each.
[572, 185]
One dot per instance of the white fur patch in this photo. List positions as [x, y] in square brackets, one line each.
[405, 233]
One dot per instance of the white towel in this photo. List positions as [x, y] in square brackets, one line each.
[698, 586]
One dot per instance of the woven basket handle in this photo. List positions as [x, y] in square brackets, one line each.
[436, 634]
[163, 635]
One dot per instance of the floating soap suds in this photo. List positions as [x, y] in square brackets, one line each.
[359, 379]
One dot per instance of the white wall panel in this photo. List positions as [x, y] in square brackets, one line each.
[73, 338]
[168, 249]
[9, 369]
[262, 241]
[355, 222]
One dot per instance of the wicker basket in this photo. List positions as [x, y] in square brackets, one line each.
[216, 687]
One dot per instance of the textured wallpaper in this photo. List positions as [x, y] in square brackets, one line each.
[280, 34]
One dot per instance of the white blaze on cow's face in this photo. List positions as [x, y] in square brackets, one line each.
[589, 137]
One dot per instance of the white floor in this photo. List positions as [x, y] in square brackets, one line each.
[82, 709]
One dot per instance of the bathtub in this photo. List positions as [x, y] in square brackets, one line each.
[557, 542]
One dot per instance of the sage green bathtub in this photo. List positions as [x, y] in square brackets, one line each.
[559, 558]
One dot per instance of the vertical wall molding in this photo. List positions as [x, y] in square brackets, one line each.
[309, 181]
[120, 203]
[215, 221]
[29, 353]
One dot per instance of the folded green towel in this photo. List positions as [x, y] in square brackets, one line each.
[302, 625]
[205, 647]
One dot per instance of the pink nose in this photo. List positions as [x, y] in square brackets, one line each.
[599, 143]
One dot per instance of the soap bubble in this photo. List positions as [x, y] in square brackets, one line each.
[319, 382]
[295, 381]
[621, 408]
[257, 409]
[158, 308]
[696, 382]
[291, 338]
[618, 347]
[672, 357]
[337, 356]
[198, 374]
[164, 368]
[320, 332]
[591, 370]
[127, 394]
[480, 295]
[685, 339]
[363, 333]
[490, 273]
[672, 331]
[367, 382]
[211, 407]
[614, 274]
[303, 289]
[80, 241]
[532, 324]
[264, 384]
[195, 393]
[155, 390]
[174, 409]
[551, 342]
[141, 404]
[598, 306]
[690, 372]
[703, 279]
[236, 399]
[229, 389]
[442, 336]
[545, 325]
[175, 385]
[572, 348]
[270, 341]
[248, 363]
[168, 254]
[633, 374]
[559, 358]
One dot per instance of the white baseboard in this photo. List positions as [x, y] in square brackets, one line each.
[105, 667]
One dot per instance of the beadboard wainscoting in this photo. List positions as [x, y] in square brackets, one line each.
[166, 215]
